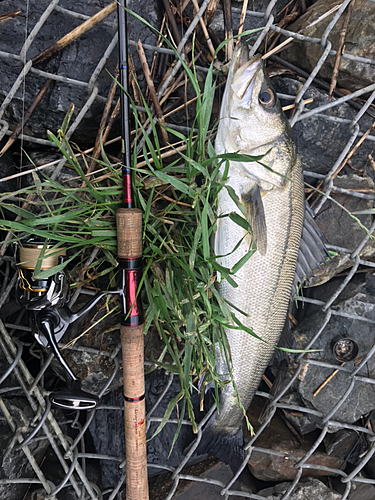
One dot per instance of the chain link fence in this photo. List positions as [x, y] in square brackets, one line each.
[36, 422]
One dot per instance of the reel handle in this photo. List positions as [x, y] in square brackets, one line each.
[73, 398]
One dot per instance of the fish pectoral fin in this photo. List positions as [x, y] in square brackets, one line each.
[257, 219]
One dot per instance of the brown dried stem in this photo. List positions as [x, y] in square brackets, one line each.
[228, 27]
[185, 3]
[351, 153]
[242, 18]
[278, 48]
[210, 11]
[285, 21]
[150, 85]
[9, 15]
[112, 118]
[204, 29]
[74, 34]
[135, 87]
[326, 381]
[158, 63]
[172, 87]
[302, 4]
[42, 92]
[340, 50]
[103, 121]
[167, 154]
[164, 154]
[172, 22]
[291, 106]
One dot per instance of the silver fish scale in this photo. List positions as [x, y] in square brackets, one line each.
[263, 292]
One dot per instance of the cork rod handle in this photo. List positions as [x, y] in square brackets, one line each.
[132, 341]
[129, 250]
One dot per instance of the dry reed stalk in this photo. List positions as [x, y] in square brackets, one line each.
[154, 97]
[74, 34]
[17, 131]
[340, 50]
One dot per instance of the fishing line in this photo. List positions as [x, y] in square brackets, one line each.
[24, 83]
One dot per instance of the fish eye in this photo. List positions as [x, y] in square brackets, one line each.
[267, 98]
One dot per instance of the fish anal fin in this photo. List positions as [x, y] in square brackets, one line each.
[312, 252]
[286, 339]
[255, 212]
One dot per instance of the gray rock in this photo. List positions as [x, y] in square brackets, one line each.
[111, 443]
[67, 494]
[7, 168]
[305, 490]
[369, 467]
[290, 448]
[14, 462]
[359, 41]
[345, 231]
[11, 380]
[346, 444]
[77, 61]
[216, 471]
[357, 300]
[362, 492]
[302, 422]
[92, 368]
[320, 142]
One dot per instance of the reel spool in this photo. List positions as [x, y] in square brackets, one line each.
[38, 293]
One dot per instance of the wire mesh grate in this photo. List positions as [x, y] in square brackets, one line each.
[53, 429]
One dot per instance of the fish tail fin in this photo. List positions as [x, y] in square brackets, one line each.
[227, 447]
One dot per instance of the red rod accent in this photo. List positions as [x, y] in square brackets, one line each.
[132, 301]
[127, 188]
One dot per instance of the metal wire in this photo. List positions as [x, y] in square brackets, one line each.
[45, 425]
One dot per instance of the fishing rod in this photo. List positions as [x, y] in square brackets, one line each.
[129, 252]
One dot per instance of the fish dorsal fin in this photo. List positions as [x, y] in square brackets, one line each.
[255, 212]
[312, 251]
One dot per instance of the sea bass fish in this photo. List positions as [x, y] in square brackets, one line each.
[253, 123]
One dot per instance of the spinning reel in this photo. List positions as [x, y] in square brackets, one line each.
[47, 298]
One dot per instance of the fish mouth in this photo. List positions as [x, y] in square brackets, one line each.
[244, 71]
[240, 56]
